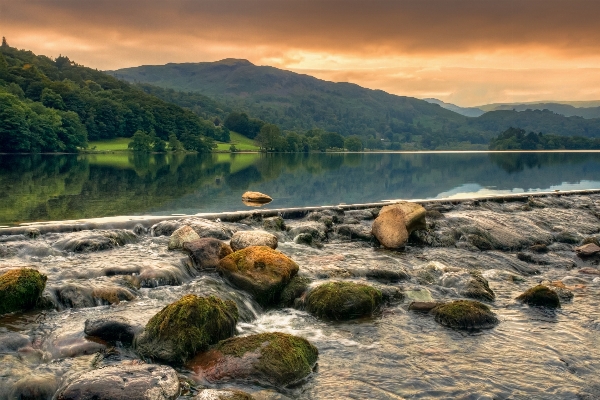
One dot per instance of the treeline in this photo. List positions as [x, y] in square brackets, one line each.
[519, 139]
[56, 105]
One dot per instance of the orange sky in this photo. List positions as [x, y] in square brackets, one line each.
[468, 52]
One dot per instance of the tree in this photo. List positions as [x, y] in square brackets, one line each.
[353, 143]
[269, 137]
[174, 143]
[51, 99]
[141, 142]
[4, 44]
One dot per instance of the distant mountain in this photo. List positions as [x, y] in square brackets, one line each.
[563, 109]
[298, 102]
[466, 111]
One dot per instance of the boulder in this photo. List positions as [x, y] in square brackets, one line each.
[123, 381]
[40, 386]
[111, 329]
[256, 197]
[182, 235]
[343, 300]
[274, 224]
[317, 230]
[87, 241]
[242, 239]
[203, 227]
[396, 222]
[206, 253]
[423, 306]
[354, 232]
[465, 314]
[297, 286]
[588, 250]
[540, 296]
[273, 358]
[222, 394]
[259, 270]
[188, 326]
[20, 289]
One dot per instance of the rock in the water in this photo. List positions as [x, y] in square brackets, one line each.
[423, 306]
[181, 236]
[259, 270]
[20, 289]
[396, 222]
[343, 300]
[272, 358]
[188, 326]
[111, 329]
[203, 227]
[206, 253]
[242, 239]
[465, 314]
[478, 288]
[86, 241]
[297, 286]
[274, 224]
[256, 197]
[317, 230]
[38, 387]
[222, 394]
[123, 381]
[588, 250]
[354, 232]
[541, 296]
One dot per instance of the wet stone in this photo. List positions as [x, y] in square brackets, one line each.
[588, 250]
[206, 253]
[88, 241]
[274, 224]
[41, 386]
[111, 329]
[540, 296]
[343, 300]
[181, 236]
[242, 239]
[423, 306]
[222, 394]
[465, 315]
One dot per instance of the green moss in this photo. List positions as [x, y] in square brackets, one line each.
[283, 358]
[343, 300]
[193, 323]
[541, 296]
[465, 314]
[294, 289]
[20, 289]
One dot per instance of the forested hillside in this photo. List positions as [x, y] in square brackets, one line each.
[56, 105]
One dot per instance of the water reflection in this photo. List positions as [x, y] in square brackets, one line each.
[47, 187]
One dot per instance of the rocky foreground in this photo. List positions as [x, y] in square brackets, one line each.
[161, 306]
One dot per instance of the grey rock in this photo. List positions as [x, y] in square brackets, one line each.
[242, 239]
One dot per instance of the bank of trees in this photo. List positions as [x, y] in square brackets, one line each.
[519, 139]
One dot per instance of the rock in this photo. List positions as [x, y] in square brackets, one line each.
[274, 224]
[206, 253]
[297, 286]
[423, 306]
[540, 296]
[86, 241]
[165, 228]
[422, 295]
[203, 227]
[182, 235]
[156, 275]
[12, 341]
[359, 232]
[112, 295]
[478, 288]
[188, 326]
[539, 248]
[40, 386]
[317, 230]
[273, 358]
[564, 294]
[570, 237]
[589, 271]
[111, 329]
[259, 270]
[32, 233]
[396, 222]
[386, 275]
[587, 250]
[242, 239]
[222, 394]
[465, 314]
[256, 197]
[359, 215]
[304, 238]
[343, 300]
[123, 381]
[20, 289]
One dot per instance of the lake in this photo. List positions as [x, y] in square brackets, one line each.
[59, 187]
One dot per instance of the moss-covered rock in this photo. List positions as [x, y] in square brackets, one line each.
[20, 289]
[297, 286]
[188, 326]
[478, 288]
[465, 314]
[271, 358]
[259, 270]
[541, 296]
[343, 300]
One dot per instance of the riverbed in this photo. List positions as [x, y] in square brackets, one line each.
[517, 243]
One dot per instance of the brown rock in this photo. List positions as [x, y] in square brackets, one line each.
[587, 250]
[396, 222]
[206, 253]
[242, 239]
[182, 235]
[423, 306]
[256, 197]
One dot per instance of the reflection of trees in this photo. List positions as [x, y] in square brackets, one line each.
[516, 162]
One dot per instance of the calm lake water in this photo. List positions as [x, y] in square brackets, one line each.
[58, 187]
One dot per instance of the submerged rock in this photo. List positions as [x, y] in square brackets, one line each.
[541, 296]
[87, 241]
[396, 222]
[274, 224]
[343, 300]
[181, 236]
[20, 289]
[222, 394]
[588, 250]
[465, 314]
[274, 358]
[123, 381]
[256, 197]
[242, 239]
[259, 270]
[423, 306]
[206, 253]
[297, 286]
[188, 326]
[478, 288]
[111, 329]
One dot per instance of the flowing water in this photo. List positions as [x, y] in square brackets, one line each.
[533, 353]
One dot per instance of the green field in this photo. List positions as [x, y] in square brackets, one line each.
[109, 145]
[241, 142]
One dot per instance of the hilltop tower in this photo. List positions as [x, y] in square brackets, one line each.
[4, 44]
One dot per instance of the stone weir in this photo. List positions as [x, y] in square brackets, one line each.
[146, 221]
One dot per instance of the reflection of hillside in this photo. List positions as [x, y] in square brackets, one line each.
[516, 162]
